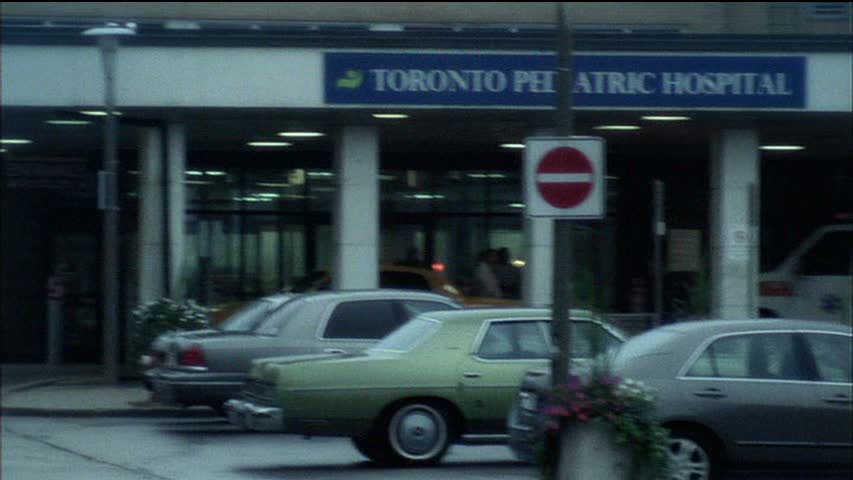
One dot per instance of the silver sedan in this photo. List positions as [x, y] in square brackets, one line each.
[210, 366]
[732, 392]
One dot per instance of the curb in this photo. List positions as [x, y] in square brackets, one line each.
[107, 413]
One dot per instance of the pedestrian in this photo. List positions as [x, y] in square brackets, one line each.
[485, 282]
[508, 276]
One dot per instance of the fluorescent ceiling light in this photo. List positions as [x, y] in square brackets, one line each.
[15, 141]
[68, 122]
[269, 144]
[215, 173]
[97, 113]
[301, 134]
[665, 118]
[516, 146]
[194, 172]
[516, 205]
[617, 127]
[782, 148]
[390, 116]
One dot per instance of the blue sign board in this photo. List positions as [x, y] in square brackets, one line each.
[618, 81]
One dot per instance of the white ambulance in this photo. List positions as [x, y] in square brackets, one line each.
[814, 281]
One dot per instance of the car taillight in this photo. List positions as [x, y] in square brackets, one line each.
[776, 289]
[192, 356]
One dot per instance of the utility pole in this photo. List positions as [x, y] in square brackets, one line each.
[108, 200]
[563, 271]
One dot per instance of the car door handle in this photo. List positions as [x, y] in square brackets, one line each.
[710, 393]
[334, 350]
[839, 399]
[472, 374]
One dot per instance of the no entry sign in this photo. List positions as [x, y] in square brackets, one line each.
[564, 177]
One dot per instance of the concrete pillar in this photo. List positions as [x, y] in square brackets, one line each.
[151, 246]
[176, 165]
[539, 252]
[537, 287]
[357, 209]
[735, 183]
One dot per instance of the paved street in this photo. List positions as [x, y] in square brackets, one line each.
[188, 449]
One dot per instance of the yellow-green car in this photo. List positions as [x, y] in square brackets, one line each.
[442, 378]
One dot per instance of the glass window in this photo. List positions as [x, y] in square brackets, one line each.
[514, 341]
[413, 308]
[589, 339]
[247, 318]
[370, 319]
[832, 355]
[274, 321]
[761, 356]
[410, 335]
[403, 280]
[829, 256]
[213, 188]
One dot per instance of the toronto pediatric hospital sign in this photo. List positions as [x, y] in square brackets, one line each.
[600, 81]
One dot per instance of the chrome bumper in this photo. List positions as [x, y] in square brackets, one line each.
[254, 417]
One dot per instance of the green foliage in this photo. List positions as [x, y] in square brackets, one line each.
[165, 315]
[627, 405]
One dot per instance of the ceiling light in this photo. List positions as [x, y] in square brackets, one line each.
[97, 113]
[269, 144]
[15, 141]
[390, 116]
[68, 122]
[516, 146]
[782, 148]
[665, 118]
[301, 134]
[617, 127]
[215, 173]
[194, 172]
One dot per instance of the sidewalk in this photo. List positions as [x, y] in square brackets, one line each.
[41, 390]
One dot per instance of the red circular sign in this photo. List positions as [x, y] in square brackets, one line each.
[565, 177]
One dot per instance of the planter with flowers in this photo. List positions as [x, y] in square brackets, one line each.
[602, 427]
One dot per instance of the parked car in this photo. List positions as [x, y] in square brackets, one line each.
[243, 320]
[444, 377]
[750, 391]
[815, 281]
[210, 367]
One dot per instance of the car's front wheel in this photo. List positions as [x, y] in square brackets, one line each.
[692, 456]
[417, 434]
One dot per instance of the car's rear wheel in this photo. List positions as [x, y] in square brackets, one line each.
[417, 434]
[692, 456]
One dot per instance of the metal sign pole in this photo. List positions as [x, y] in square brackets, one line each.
[562, 272]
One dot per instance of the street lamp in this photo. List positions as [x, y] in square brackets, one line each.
[108, 197]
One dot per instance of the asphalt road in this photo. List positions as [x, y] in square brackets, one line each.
[204, 449]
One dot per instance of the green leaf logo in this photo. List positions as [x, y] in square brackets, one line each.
[352, 80]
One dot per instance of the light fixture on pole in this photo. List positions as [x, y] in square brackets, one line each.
[108, 197]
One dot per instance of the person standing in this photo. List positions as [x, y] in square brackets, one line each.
[485, 281]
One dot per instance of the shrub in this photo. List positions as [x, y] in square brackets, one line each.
[165, 315]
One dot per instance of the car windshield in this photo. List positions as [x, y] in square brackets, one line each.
[247, 318]
[409, 336]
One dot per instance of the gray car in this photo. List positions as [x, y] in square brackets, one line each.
[210, 366]
[731, 392]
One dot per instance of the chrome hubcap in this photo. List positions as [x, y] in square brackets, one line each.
[688, 460]
[417, 432]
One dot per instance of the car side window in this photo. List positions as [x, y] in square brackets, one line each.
[589, 339]
[413, 308]
[368, 319]
[513, 341]
[772, 356]
[832, 355]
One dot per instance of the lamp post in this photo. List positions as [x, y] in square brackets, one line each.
[108, 198]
